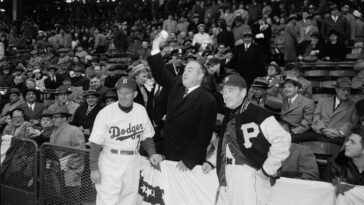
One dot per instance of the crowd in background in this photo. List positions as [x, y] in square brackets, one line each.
[44, 66]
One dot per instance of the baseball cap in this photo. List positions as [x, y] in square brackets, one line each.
[234, 80]
[126, 82]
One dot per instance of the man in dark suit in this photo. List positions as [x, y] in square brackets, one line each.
[53, 81]
[249, 60]
[32, 109]
[191, 111]
[121, 38]
[175, 66]
[157, 108]
[335, 22]
[85, 114]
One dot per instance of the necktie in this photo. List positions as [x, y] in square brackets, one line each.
[246, 47]
[31, 107]
[289, 102]
[186, 92]
[88, 110]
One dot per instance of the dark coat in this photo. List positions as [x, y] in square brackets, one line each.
[226, 38]
[300, 164]
[249, 64]
[342, 26]
[336, 52]
[49, 84]
[157, 106]
[121, 40]
[343, 167]
[86, 121]
[80, 82]
[171, 69]
[32, 115]
[190, 120]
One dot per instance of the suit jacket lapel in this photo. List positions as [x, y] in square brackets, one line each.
[294, 105]
[186, 102]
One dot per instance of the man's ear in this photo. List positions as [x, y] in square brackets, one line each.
[135, 94]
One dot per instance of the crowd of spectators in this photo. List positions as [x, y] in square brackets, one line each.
[70, 66]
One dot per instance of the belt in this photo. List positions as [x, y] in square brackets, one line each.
[232, 162]
[123, 152]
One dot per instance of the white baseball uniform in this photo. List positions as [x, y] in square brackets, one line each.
[118, 131]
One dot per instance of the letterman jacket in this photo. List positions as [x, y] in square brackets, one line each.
[262, 140]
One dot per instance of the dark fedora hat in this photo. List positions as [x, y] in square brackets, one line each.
[292, 79]
[46, 113]
[30, 90]
[110, 94]
[60, 110]
[91, 92]
[14, 91]
[333, 31]
[63, 89]
[343, 82]
[260, 83]
[332, 7]
[52, 67]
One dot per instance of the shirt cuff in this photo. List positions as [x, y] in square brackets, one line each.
[341, 132]
[154, 52]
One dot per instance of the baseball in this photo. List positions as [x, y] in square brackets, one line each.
[164, 34]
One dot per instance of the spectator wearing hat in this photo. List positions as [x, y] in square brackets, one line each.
[296, 71]
[64, 134]
[14, 101]
[335, 116]
[359, 27]
[335, 49]
[258, 91]
[120, 39]
[201, 37]
[46, 127]
[273, 78]
[262, 33]
[346, 12]
[248, 59]
[85, 114]
[32, 109]
[348, 165]
[307, 26]
[62, 96]
[291, 37]
[170, 25]
[175, 65]
[335, 22]
[194, 23]
[311, 50]
[225, 37]
[6, 78]
[144, 52]
[53, 80]
[109, 97]
[78, 80]
[297, 110]
[239, 28]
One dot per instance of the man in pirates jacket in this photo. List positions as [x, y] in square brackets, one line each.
[251, 149]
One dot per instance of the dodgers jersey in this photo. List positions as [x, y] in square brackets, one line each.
[117, 129]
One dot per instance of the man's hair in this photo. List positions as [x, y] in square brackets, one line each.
[95, 76]
[17, 109]
[359, 130]
[202, 67]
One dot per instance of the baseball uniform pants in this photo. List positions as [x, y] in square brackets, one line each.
[119, 179]
[244, 187]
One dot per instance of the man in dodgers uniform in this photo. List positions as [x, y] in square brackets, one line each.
[251, 149]
[119, 129]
